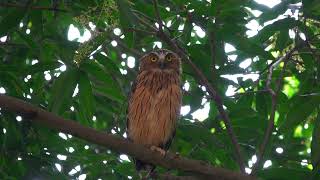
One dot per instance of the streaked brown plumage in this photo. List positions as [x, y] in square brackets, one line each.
[155, 101]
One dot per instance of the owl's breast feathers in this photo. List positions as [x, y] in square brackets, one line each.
[154, 107]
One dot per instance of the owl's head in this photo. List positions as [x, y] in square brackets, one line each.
[160, 60]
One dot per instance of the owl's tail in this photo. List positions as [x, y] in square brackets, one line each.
[142, 166]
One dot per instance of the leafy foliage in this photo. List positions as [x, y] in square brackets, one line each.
[88, 81]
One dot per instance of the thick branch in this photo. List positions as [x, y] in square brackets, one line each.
[168, 176]
[118, 144]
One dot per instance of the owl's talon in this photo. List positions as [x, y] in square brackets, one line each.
[161, 151]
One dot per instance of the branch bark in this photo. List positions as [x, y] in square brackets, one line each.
[115, 143]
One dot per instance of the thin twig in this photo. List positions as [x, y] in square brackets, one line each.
[248, 92]
[150, 27]
[310, 94]
[144, 16]
[140, 30]
[32, 7]
[274, 95]
[255, 83]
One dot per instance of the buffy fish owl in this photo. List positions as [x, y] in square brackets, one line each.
[155, 102]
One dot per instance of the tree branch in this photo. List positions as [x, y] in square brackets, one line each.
[143, 15]
[213, 93]
[168, 176]
[274, 95]
[32, 7]
[115, 143]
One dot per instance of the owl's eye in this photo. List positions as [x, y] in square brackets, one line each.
[169, 58]
[153, 59]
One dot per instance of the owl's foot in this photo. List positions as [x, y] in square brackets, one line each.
[148, 176]
[161, 151]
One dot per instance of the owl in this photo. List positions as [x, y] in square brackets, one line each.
[155, 102]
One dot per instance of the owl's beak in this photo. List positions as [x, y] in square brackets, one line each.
[162, 65]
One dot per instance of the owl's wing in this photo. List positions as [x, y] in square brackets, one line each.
[167, 144]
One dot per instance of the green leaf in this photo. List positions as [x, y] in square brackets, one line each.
[283, 39]
[127, 18]
[300, 109]
[11, 20]
[62, 91]
[284, 173]
[110, 65]
[110, 93]
[250, 47]
[43, 66]
[96, 71]
[86, 99]
[263, 104]
[29, 41]
[269, 30]
[315, 145]
[187, 31]
[201, 57]
[273, 13]
[13, 83]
